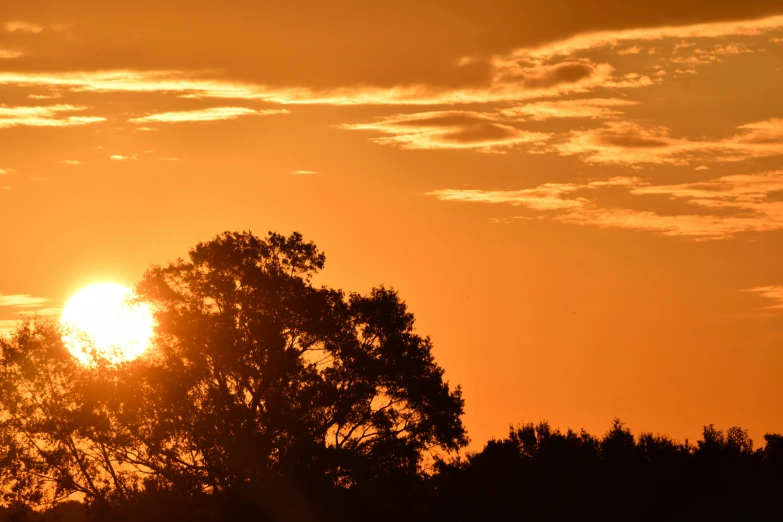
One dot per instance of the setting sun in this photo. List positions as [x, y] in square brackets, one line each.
[100, 317]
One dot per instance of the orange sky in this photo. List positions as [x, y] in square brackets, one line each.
[582, 202]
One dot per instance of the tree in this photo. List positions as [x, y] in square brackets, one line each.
[267, 387]
[261, 392]
[55, 434]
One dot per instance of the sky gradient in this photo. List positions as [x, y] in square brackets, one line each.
[582, 204]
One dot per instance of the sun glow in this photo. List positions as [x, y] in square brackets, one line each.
[100, 321]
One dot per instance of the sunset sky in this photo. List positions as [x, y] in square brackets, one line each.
[581, 202]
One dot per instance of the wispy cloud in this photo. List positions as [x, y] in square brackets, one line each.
[723, 207]
[22, 301]
[71, 162]
[120, 157]
[592, 108]
[602, 39]
[4, 170]
[737, 191]
[24, 305]
[7, 326]
[706, 55]
[485, 132]
[627, 142]
[774, 293]
[47, 116]
[8, 54]
[41, 312]
[304, 172]
[210, 114]
[510, 84]
[630, 50]
[18, 26]
[549, 196]
[694, 226]
[553, 69]
[49, 96]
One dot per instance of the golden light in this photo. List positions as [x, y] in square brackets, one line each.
[99, 318]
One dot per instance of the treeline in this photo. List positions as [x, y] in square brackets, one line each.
[537, 473]
[266, 398]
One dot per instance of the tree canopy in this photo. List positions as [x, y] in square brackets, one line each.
[260, 387]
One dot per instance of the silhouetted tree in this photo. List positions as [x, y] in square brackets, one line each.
[263, 390]
[55, 439]
[541, 474]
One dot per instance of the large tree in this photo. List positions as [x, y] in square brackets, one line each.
[260, 388]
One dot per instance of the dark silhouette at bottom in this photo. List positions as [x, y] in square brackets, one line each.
[536, 473]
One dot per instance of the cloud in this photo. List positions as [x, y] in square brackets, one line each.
[49, 311]
[512, 82]
[210, 114]
[740, 190]
[8, 54]
[768, 132]
[549, 196]
[626, 142]
[304, 172]
[723, 207]
[4, 170]
[71, 162]
[774, 293]
[18, 26]
[693, 226]
[48, 116]
[702, 56]
[120, 157]
[599, 39]
[553, 69]
[42, 312]
[547, 76]
[623, 142]
[22, 301]
[8, 326]
[630, 50]
[50, 96]
[25, 305]
[594, 108]
[449, 130]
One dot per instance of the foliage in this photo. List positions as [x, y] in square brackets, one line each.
[261, 389]
[538, 473]
[56, 438]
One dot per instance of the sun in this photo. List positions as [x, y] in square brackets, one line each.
[100, 319]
